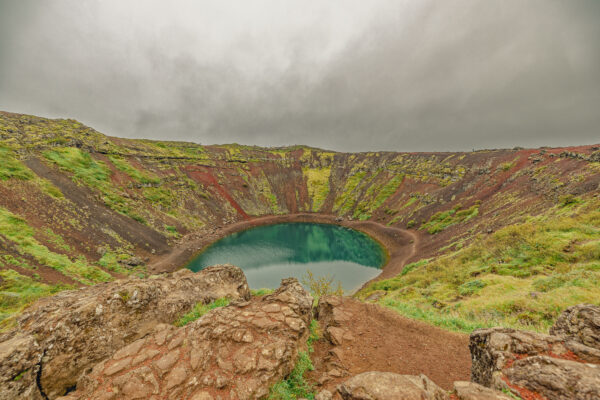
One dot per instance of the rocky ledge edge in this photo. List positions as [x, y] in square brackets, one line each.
[117, 341]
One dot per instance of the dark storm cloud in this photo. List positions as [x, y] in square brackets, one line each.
[411, 75]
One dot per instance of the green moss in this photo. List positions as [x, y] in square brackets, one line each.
[18, 291]
[50, 189]
[110, 261]
[56, 240]
[200, 309]
[295, 386]
[317, 182]
[134, 173]
[261, 292]
[344, 203]
[11, 167]
[20, 375]
[81, 164]
[17, 230]
[376, 195]
[442, 220]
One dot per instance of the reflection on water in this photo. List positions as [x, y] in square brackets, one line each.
[269, 253]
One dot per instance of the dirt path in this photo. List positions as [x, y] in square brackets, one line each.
[373, 338]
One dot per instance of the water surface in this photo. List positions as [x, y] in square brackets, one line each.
[272, 252]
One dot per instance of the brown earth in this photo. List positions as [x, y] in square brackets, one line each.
[359, 337]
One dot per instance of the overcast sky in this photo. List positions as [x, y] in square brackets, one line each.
[345, 75]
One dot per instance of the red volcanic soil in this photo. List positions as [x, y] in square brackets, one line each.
[381, 340]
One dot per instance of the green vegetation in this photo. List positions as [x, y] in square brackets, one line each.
[317, 182]
[16, 230]
[10, 167]
[261, 292]
[521, 276]
[344, 203]
[442, 220]
[110, 261]
[93, 173]
[50, 189]
[200, 309]
[376, 195]
[321, 286]
[507, 166]
[134, 173]
[18, 291]
[295, 385]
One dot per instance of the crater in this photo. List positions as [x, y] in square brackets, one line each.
[269, 253]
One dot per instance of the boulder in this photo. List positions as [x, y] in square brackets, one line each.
[472, 391]
[389, 386]
[555, 379]
[492, 350]
[234, 352]
[332, 317]
[60, 337]
[580, 323]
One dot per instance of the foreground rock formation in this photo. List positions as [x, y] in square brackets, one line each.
[537, 366]
[59, 338]
[117, 341]
[236, 352]
[390, 386]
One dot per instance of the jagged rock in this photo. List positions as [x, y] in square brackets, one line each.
[235, 352]
[132, 261]
[60, 337]
[494, 349]
[555, 379]
[580, 323]
[324, 395]
[389, 386]
[473, 391]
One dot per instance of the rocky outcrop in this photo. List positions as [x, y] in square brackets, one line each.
[532, 364]
[60, 337]
[236, 352]
[472, 391]
[554, 378]
[580, 323]
[495, 349]
[389, 386]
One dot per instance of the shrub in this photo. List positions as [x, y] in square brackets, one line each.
[200, 309]
[296, 386]
[322, 286]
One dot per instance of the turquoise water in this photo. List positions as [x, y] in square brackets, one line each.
[272, 252]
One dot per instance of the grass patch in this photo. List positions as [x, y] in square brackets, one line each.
[18, 231]
[522, 276]
[81, 164]
[261, 292]
[123, 165]
[296, 386]
[442, 220]
[200, 309]
[11, 168]
[317, 182]
[18, 291]
[345, 202]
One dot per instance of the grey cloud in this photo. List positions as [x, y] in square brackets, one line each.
[404, 76]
